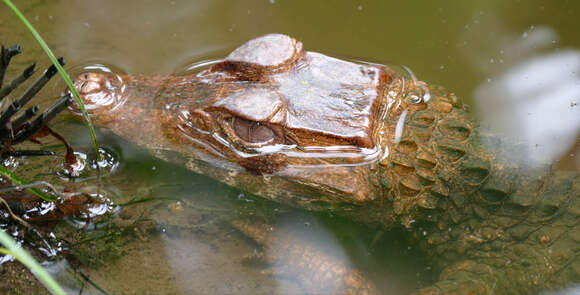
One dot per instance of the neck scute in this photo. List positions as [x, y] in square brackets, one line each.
[428, 139]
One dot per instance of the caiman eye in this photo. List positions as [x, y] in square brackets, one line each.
[250, 131]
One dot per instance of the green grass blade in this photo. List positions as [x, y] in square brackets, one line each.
[19, 181]
[37, 270]
[61, 71]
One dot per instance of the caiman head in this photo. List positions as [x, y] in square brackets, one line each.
[290, 125]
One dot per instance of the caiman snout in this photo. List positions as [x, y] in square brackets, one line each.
[99, 91]
[89, 82]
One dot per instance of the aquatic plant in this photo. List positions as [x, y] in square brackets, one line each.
[61, 71]
[21, 255]
[12, 248]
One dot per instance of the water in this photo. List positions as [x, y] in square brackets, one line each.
[516, 64]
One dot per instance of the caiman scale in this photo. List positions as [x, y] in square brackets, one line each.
[363, 141]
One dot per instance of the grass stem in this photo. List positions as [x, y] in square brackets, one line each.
[21, 255]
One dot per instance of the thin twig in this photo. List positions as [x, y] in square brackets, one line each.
[14, 216]
[37, 184]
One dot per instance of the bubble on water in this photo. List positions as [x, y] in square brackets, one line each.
[75, 169]
[86, 165]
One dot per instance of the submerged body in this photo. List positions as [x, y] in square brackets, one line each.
[362, 141]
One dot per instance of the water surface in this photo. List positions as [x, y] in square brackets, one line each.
[517, 64]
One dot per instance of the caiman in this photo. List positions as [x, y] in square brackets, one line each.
[364, 141]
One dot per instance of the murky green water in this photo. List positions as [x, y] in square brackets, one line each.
[516, 63]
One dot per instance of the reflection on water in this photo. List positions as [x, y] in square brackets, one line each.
[536, 100]
[179, 243]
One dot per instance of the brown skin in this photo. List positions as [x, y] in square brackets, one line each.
[364, 142]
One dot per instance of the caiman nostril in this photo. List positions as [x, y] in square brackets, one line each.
[99, 91]
[90, 83]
